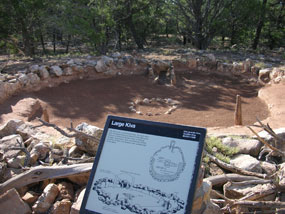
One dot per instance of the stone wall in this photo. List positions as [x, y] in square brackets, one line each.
[50, 74]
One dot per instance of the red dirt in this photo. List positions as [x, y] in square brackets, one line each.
[207, 100]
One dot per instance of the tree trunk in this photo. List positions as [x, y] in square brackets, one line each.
[27, 40]
[53, 41]
[42, 42]
[138, 40]
[259, 25]
[67, 44]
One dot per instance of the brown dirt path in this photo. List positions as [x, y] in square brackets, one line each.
[207, 100]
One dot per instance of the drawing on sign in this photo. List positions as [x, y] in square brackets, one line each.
[167, 163]
[136, 198]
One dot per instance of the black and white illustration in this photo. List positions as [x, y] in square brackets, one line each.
[136, 198]
[167, 163]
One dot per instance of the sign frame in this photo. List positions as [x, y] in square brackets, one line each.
[183, 132]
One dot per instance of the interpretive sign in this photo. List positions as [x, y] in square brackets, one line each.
[144, 167]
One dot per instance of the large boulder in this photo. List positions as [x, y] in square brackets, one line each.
[246, 162]
[268, 138]
[85, 144]
[244, 145]
[56, 70]
[27, 108]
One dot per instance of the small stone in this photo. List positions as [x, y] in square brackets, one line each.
[149, 114]
[30, 197]
[10, 127]
[65, 191]
[34, 68]
[56, 70]
[46, 199]
[16, 162]
[139, 113]
[138, 102]
[81, 179]
[7, 142]
[68, 71]
[61, 207]
[146, 101]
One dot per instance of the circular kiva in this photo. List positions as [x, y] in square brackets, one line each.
[171, 105]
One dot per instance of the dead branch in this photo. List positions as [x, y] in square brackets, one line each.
[41, 173]
[233, 168]
[259, 195]
[260, 204]
[76, 133]
[265, 143]
[23, 149]
[222, 179]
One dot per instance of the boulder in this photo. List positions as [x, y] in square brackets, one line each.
[23, 79]
[88, 145]
[77, 204]
[276, 75]
[7, 142]
[26, 131]
[33, 79]
[39, 152]
[46, 199]
[245, 145]
[10, 127]
[263, 75]
[246, 162]
[56, 70]
[11, 202]
[103, 63]
[247, 65]
[27, 108]
[34, 68]
[268, 168]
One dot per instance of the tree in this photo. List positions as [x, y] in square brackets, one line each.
[200, 18]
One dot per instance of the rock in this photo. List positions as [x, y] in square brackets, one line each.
[46, 199]
[146, 101]
[65, 191]
[263, 75]
[16, 162]
[211, 57]
[88, 145]
[239, 190]
[247, 65]
[23, 79]
[75, 152]
[56, 70]
[268, 168]
[268, 138]
[30, 197]
[202, 197]
[245, 146]
[33, 79]
[43, 72]
[34, 68]
[68, 71]
[61, 207]
[103, 63]
[27, 107]
[26, 131]
[281, 175]
[81, 179]
[7, 142]
[11, 202]
[159, 66]
[246, 162]
[76, 206]
[70, 62]
[10, 127]
[39, 152]
[212, 208]
[276, 75]
[64, 142]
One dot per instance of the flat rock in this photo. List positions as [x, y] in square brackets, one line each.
[246, 162]
[245, 146]
[7, 142]
[61, 207]
[10, 127]
[11, 202]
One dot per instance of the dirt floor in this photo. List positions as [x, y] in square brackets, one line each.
[206, 100]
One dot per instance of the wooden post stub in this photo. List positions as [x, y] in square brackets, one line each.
[238, 113]
[45, 115]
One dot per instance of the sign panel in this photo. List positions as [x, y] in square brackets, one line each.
[144, 167]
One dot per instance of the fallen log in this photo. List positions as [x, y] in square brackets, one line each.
[41, 173]
[222, 179]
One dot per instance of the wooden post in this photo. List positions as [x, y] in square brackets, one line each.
[45, 115]
[238, 113]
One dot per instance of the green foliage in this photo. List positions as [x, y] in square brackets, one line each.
[215, 147]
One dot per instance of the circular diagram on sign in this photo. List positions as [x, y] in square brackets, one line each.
[167, 163]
